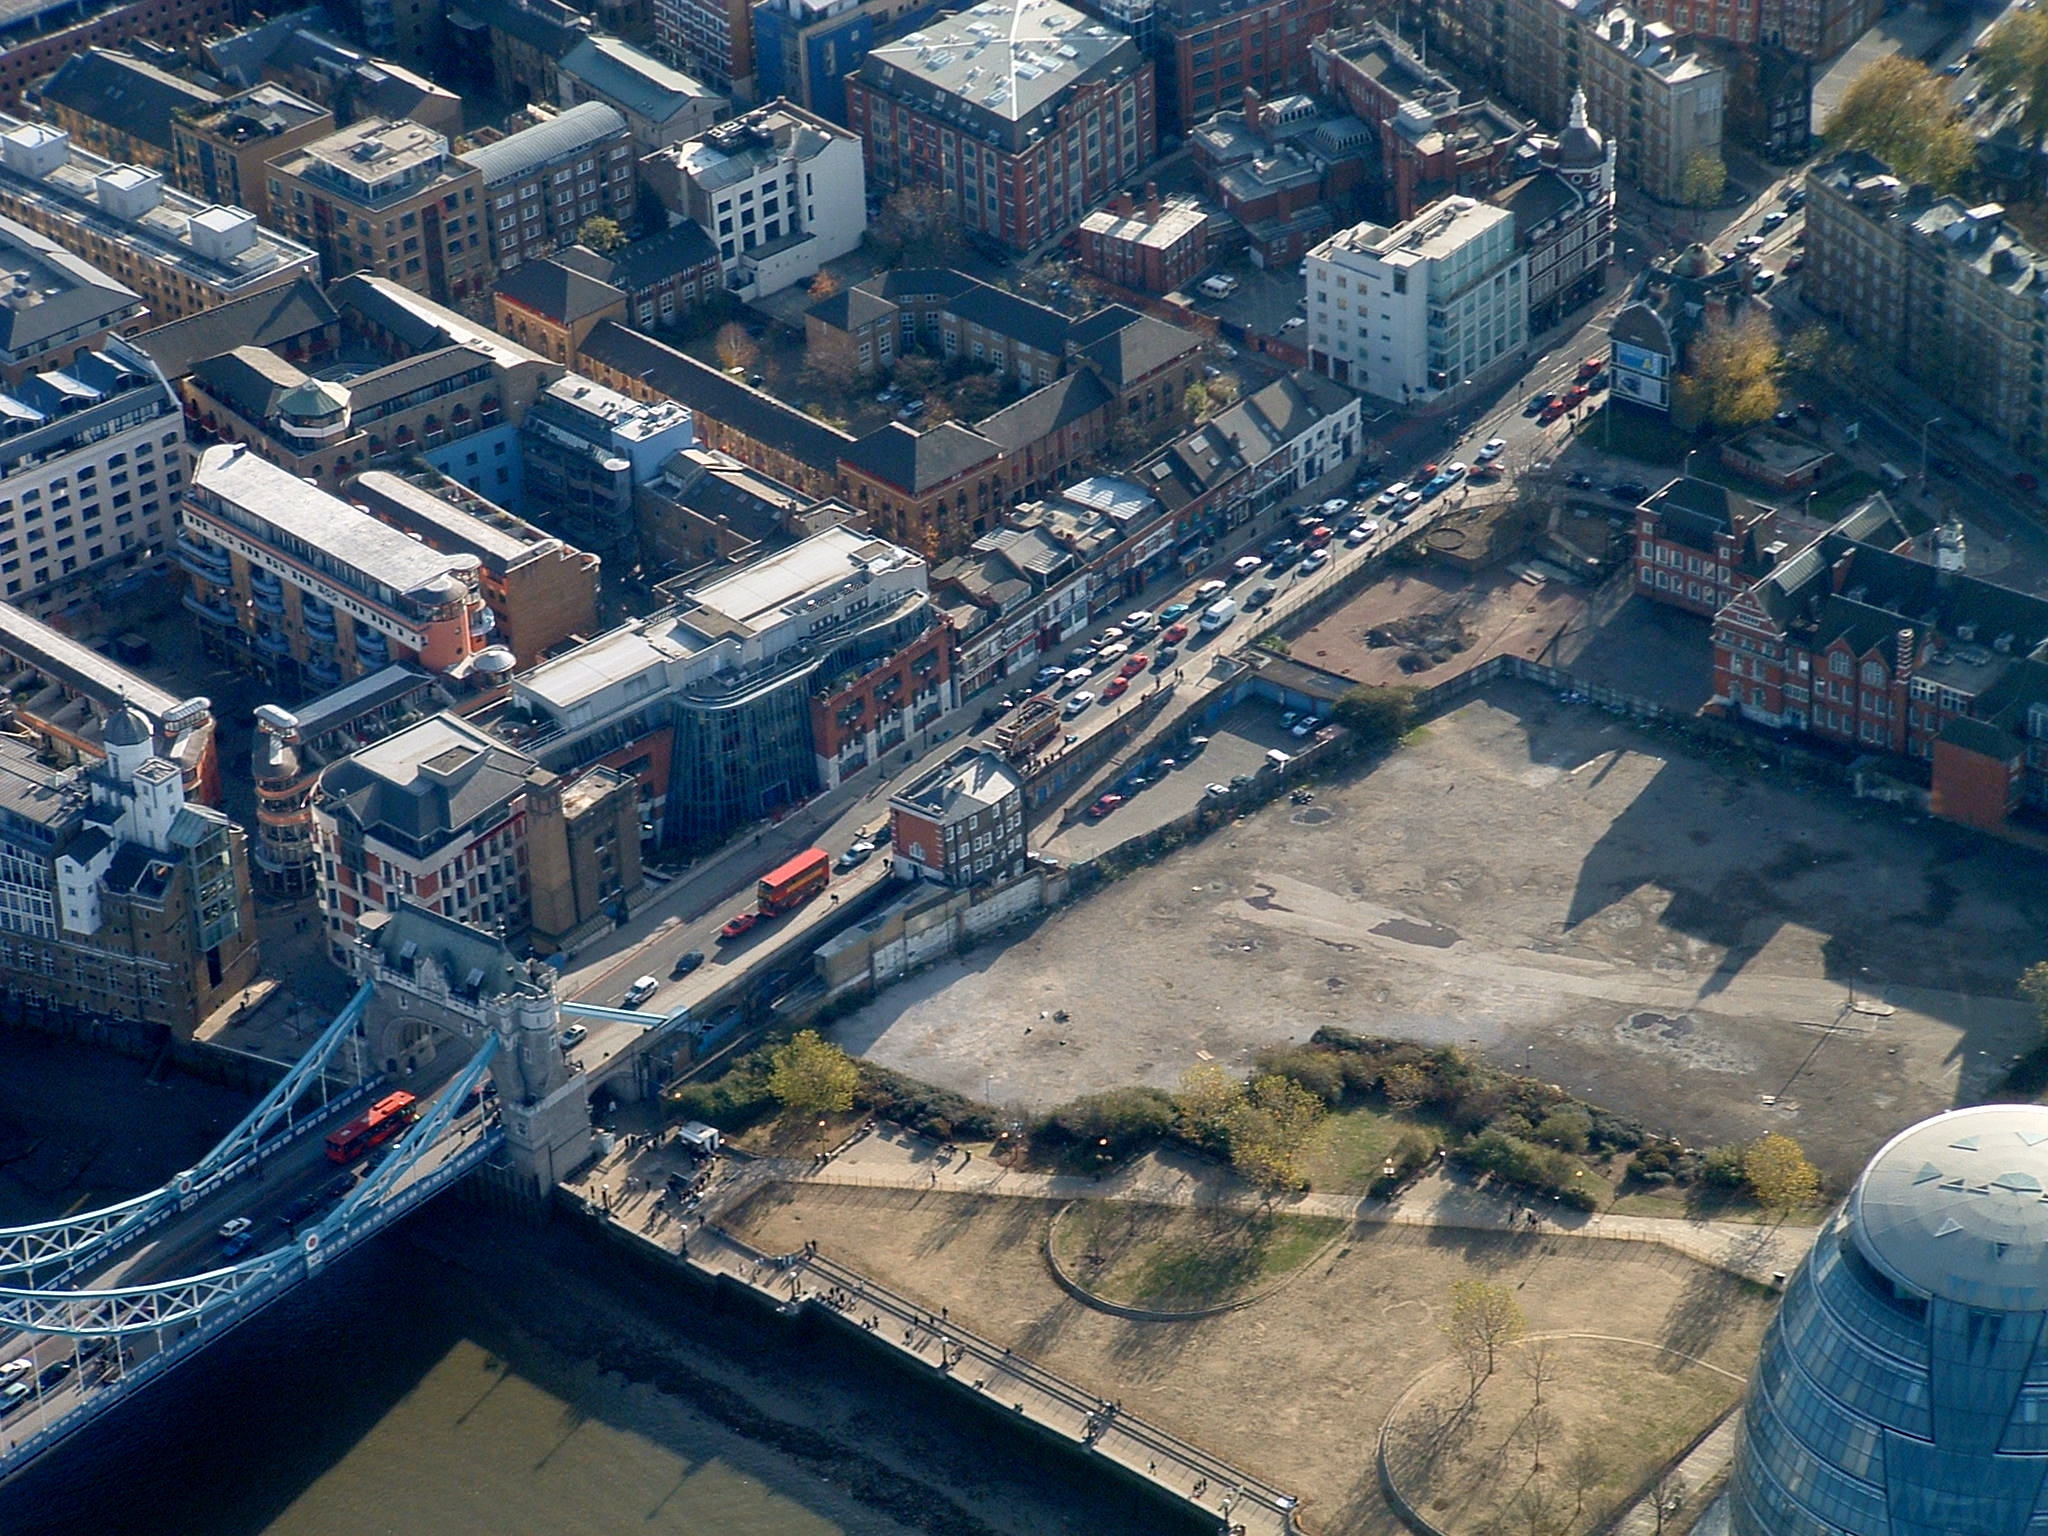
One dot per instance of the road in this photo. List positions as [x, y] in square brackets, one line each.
[298, 1182]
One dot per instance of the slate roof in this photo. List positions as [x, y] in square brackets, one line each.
[908, 283]
[1639, 325]
[851, 308]
[717, 397]
[460, 950]
[1008, 315]
[644, 263]
[561, 137]
[557, 291]
[85, 295]
[916, 462]
[1125, 346]
[267, 319]
[1044, 411]
[548, 26]
[125, 93]
[637, 81]
[425, 782]
[249, 379]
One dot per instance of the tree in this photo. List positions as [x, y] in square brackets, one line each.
[1270, 1131]
[1406, 1083]
[601, 234]
[1702, 179]
[1203, 1105]
[1899, 110]
[1537, 1367]
[1667, 1497]
[1484, 1319]
[824, 285]
[812, 1076]
[918, 226]
[1730, 379]
[735, 348]
[1538, 1425]
[1536, 1507]
[1379, 717]
[1584, 1470]
[2015, 58]
[1779, 1175]
[1816, 350]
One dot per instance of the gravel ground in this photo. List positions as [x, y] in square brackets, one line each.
[1701, 946]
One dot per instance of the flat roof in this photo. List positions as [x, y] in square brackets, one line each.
[78, 666]
[1007, 58]
[325, 522]
[770, 589]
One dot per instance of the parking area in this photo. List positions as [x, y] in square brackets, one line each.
[1236, 751]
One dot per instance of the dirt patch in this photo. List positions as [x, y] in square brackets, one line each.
[1162, 1259]
[1421, 626]
[1294, 1388]
[1527, 880]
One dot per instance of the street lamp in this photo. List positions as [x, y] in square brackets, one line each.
[1689, 455]
[1924, 428]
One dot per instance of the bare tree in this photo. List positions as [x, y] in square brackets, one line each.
[1584, 1470]
[1538, 1428]
[1537, 1507]
[1538, 1367]
[1484, 1319]
[735, 348]
[1668, 1496]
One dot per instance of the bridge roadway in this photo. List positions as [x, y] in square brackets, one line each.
[74, 1377]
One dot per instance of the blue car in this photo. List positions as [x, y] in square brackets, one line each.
[1173, 612]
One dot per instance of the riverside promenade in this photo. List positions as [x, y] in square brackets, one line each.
[629, 1192]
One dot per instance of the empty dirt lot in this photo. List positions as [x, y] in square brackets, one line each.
[1675, 938]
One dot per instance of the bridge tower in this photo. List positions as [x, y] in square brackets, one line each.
[545, 1108]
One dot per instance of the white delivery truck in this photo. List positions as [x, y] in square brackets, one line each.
[1218, 614]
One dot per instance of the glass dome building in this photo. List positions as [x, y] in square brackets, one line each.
[1903, 1387]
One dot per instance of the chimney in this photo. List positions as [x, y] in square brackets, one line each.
[1252, 104]
[1903, 669]
[1151, 202]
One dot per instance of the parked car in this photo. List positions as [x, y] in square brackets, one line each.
[1307, 725]
[687, 962]
[739, 926]
[1629, 490]
[1104, 806]
[1579, 480]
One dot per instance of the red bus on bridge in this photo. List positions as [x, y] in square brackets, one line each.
[387, 1117]
[795, 881]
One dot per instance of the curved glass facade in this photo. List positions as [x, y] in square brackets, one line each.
[1903, 1387]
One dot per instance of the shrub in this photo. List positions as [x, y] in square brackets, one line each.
[1568, 1127]
[936, 1112]
[1119, 1123]
[1722, 1166]
[1316, 1070]
[1515, 1161]
[1413, 1152]
[732, 1101]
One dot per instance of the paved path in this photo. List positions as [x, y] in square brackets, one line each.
[898, 1160]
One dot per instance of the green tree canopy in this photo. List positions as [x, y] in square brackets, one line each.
[601, 234]
[1731, 371]
[1702, 179]
[1899, 110]
[811, 1075]
[1779, 1175]
[2015, 58]
[1271, 1130]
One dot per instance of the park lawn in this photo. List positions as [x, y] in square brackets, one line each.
[1837, 499]
[1700, 1204]
[787, 1133]
[1355, 1142]
[1167, 1259]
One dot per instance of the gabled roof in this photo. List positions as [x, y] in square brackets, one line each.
[1125, 346]
[643, 263]
[1640, 325]
[1044, 411]
[250, 380]
[268, 319]
[1008, 315]
[75, 293]
[919, 282]
[851, 307]
[637, 81]
[557, 291]
[916, 462]
[716, 397]
[125, 93]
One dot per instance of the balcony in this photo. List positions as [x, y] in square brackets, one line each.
[323, 669]
[271, 643]
[319, 619]
[209, 562]
[482, 620]
[372, 650]
[215, 611]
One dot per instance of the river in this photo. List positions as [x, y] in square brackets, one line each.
[546, 1391]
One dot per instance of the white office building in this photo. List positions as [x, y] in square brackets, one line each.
[779, 190]
[91, 460]
[1409, 312]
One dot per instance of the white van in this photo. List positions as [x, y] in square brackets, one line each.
[1219, 286]
[1218, 614]
[1893, 477]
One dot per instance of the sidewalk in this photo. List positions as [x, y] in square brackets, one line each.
[894, 1160]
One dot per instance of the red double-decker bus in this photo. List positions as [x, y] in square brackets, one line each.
[795, 881]
[386, 1118]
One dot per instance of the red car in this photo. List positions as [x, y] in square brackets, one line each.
[738, 926]
[1320, 535]
[1104, 806]
[1553, 410]
[1574, 395]
[1590, 366]
[1173, 634]
[1115, 688]
[1133, 665]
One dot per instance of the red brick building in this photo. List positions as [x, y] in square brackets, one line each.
[1150, 247]
[1210, 52]
[36, 39]
[855, 720]
[1024, 115]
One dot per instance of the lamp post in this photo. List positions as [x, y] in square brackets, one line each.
[1925, 426]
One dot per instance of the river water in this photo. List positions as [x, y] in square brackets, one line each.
[545, 1393]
